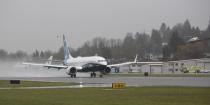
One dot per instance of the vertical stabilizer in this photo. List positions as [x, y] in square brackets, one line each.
[66, 48]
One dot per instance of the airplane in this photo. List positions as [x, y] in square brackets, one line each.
[86, 64]
[73, 65]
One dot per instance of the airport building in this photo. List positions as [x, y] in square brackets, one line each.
[176, 66]
[169, 67]
[142, 68]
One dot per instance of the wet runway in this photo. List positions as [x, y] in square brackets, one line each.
[8, 72]
[130, 81]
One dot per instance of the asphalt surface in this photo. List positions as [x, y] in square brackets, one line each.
[130, 81]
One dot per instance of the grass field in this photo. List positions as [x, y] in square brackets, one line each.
[106, 96]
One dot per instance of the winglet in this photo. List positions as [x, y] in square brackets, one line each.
[49, 61]
[135, 60]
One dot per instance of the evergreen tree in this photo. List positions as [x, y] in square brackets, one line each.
[129, 46]
[3, 54]
[206, 33]
[187, 26]
[174, 42]
[42, 54]
[156, 42]
[36, 54]
[142, 44]
[162, 30]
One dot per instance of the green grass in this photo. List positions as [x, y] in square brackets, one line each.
[158, 75]
[6, 83]
[100, 96]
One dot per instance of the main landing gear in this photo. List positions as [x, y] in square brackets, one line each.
[73, 75]
[93, 75]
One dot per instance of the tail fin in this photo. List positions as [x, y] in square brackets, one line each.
[49, 61]
[135, 60]
[66, 48]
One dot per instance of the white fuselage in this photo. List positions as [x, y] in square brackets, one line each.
[79, 61]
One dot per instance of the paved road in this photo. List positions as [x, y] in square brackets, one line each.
[130, 81]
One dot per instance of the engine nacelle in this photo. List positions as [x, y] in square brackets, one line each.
[71, 70]
[107, 70]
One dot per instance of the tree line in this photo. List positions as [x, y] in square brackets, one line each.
[161, 43]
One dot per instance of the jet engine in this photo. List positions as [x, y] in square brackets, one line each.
[71, 70]
[107, 70]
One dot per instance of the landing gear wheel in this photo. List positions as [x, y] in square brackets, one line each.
[75, 75]
[91, 75]
[117, 71]
[94, 75]
[71, 75]
[101, 75]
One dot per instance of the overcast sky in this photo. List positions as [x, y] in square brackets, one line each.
[38, 24]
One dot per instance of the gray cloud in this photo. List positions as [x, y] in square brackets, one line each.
[30, 24]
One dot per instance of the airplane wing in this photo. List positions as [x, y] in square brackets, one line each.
[49, 61]
[116, 66]
[121, 64]
[47, 64]
[134, 62]
[33, 64]
[130, 63]
[125, 63]
[56, 66]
